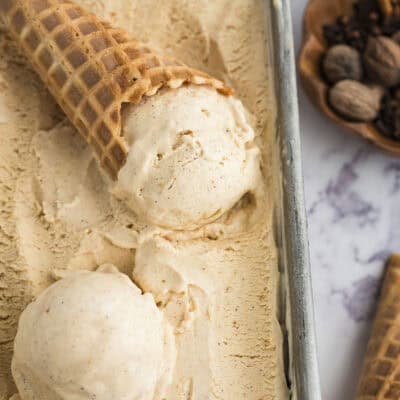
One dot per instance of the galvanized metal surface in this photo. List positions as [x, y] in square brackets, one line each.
[302, 368]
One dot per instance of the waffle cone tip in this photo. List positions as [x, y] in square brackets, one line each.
[380, 378]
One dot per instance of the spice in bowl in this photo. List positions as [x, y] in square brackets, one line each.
[362, 65]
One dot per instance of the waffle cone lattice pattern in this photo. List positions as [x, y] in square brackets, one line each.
[380, 379]
[92, 68]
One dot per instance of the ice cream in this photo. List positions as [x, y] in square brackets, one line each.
[56, 212]
[93, 335]
[191, 157]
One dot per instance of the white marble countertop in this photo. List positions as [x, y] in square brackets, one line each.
[353, 201]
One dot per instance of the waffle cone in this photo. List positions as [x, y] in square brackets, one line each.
[91, 69]
[380, 379]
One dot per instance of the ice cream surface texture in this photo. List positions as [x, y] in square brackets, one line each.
[215, 286]
[191, 157]
[93, 335]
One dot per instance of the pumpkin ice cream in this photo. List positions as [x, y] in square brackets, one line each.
[214, 280]
[95, 336]
[191, 157]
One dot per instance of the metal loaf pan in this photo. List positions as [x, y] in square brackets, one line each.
[297, 317]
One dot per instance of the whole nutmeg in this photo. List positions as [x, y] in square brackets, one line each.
[342, 62]
[356, 101]
[382, 61]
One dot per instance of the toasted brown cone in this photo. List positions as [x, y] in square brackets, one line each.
[92, 68]
[318, 14]
[380, 379]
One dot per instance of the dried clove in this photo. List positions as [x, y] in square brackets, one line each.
[388, 121]
[356, 101]
[342, 62]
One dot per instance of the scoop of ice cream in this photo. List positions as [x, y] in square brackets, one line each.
[92, 335]
[191, 157]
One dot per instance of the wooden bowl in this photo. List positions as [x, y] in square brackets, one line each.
[319, 13]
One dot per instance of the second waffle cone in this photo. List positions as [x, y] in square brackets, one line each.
[380, 379]
[92, 69]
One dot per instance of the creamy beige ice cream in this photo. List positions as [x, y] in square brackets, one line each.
[191, 157]
[93, 335]
[56, 212]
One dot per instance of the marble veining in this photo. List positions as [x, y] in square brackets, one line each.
[359, 300]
